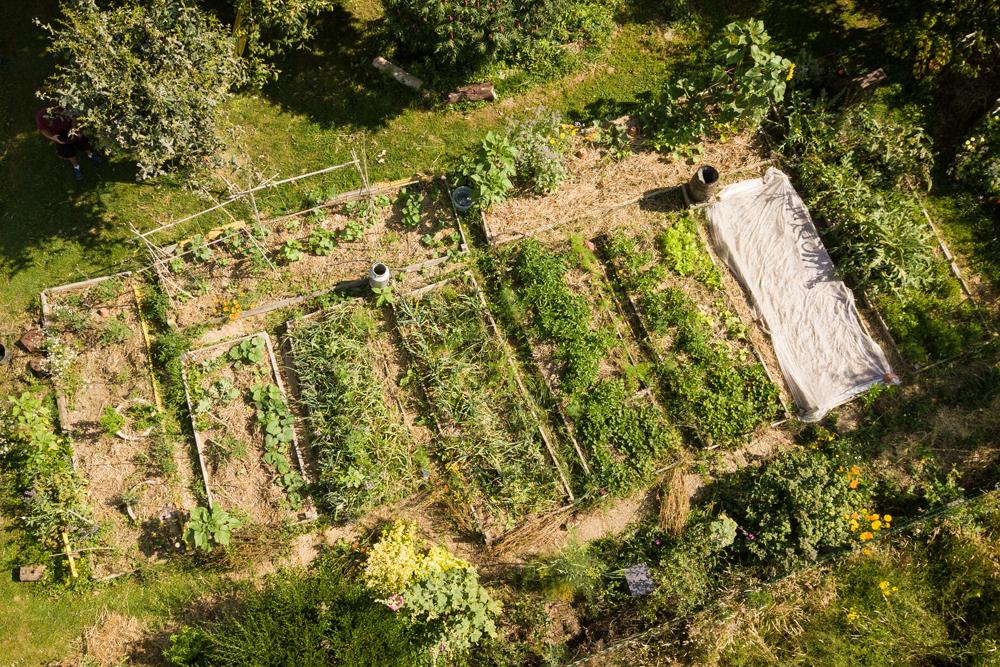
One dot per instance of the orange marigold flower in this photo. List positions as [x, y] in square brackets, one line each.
[855, 470]
[853, 484]
[866, 536]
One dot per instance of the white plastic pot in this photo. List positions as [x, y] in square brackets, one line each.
[378, 275]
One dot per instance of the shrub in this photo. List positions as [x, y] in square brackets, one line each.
[320, 619]
[264, 30]
[978, 161]
[539, 142]
[797, 506]
[147, 78]
[441, 595]
[457, 34]
[400, 558]
[733, 91]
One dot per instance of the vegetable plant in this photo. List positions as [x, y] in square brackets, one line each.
[410, 213]
[249, 352]
[362, 446]
[207, 529]
[278, 425]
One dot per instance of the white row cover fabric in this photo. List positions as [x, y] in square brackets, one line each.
[764, 232]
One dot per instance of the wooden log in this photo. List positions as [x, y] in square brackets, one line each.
[397, 73]
[476, 92]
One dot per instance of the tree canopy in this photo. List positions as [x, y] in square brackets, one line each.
[146, 78]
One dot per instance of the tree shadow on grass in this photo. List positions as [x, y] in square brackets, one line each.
[334, 82]
[47, 220]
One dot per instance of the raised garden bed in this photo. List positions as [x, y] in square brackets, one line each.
[560, 307]
[712, 380]
[601, 195]
[98, 359]
[500, 465]
[244, 431]
[369, 449]
[246, 266]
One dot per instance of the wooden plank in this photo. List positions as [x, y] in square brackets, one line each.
[397, 73]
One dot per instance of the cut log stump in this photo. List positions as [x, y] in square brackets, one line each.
[475, 92]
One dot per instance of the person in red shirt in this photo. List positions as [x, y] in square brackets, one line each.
[57, 126]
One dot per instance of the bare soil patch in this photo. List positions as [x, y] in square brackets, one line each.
[129, 462]
[228, 433]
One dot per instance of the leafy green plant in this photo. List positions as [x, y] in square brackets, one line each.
[734, 91]
[38, 465]
[207, 529]
[249, 352]
[557, 315]
[625, 437]
[290, 251]
[452, 610]
[411, 204]
[491, 169]
[200, 251]
[115, 332]
[321, 241]
[710, 385]
[278, 425]
[684, 253]
[111, 420]
[383, 296]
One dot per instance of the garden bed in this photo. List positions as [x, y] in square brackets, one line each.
[109, 405]
[244, 431]
[368, 446]
[562, 310]
[499, 463]
[245, 266]
[601, 195]
[712, 379]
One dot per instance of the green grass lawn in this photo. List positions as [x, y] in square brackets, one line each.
[39, 625]
[328, 100]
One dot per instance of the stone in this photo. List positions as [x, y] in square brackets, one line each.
[639, 580]
[103, 312]
[30, 573]
[33, 340]
[38, 367]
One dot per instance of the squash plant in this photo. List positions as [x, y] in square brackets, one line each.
[210, 528]
[277, 422]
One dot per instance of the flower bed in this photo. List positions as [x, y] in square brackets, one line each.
[244, 431]
[488, 438]
[366, 444]
[564, 312]
[704, 359]
[242, 266]
[99, 363]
